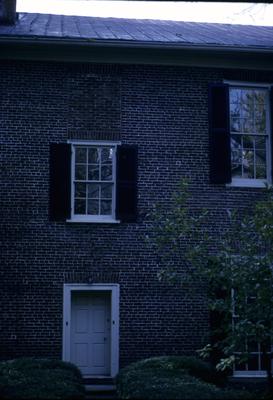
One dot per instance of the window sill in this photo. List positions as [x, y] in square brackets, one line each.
[251, 183]
[249, 374]
[93, 220]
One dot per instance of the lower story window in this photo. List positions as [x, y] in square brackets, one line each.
[93, 181]
[252, 357]
[256, 363]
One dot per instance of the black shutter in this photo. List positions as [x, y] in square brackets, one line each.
[60, 182]
[219, 131]
[126, 198]
[271, 120]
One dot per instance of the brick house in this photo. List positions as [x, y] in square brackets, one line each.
[101, 119]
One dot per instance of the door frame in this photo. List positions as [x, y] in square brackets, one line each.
[103, 287]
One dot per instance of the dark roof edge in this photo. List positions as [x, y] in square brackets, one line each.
[128, 52]
[130, 44]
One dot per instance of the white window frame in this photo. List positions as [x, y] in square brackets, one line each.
[93, 218]
[243, 373]
[113, 289]
[248, 182]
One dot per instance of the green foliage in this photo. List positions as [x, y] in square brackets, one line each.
[29, 378]
[172, 378]
[192, 365]
[178, 237]
[242, 272]
[237, 266]
[225, 363]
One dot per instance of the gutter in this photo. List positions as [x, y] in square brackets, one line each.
[134, 52]
[62, 41]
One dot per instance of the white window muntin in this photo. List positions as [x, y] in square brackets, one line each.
[255, 182]
[248, 139]
[75, 217]
[244, 370]
[255, 365]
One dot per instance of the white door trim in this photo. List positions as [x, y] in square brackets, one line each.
[114, 289]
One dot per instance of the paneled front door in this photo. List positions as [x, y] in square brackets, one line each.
[91, 332]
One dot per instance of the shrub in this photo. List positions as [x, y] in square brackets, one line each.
[28, 378]
[171, 378]
[192, 365]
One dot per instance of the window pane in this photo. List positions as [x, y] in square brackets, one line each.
[80, 206]
[260, 97]
[248, 142]
[264, 362]
[80, 172]
[240, 366]
[93, 191]
[236, 156]
[93, 172]
[253, 362]
[247, 97]
[235, 125]
[81, 153]
[106, 207]
[261, 157]
[93, 156]
[247, 125]
[260, 171]
[248, 164]
[235, 95]
[106, 172]
[260, 143]
[260, 125]
[236, 149]
[235, 110]
[93, 207]
[106, 155]
[106, 191]
[252, 345]
[247, 110]
[237, 171]
[80, 190]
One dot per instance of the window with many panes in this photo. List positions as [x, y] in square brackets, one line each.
[249, 134]
[93, 181]
[240, 133]
[256, 363]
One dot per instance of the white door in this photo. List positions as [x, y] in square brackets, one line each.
[90, 332]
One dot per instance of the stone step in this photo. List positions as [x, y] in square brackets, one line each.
[100, 394]
[100, 388]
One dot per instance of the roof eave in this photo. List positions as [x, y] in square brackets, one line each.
[137, 52]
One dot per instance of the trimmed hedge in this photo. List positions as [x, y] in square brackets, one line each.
[29, 378]
[192, 365]
[172, 378]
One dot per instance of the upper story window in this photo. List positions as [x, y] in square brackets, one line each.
[93, 182]
[249, 130]
[240, 134]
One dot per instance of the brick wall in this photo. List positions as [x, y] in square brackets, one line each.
[164, 111]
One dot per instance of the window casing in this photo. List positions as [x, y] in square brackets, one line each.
[255, 365]
[250, 135]
[93, 179]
